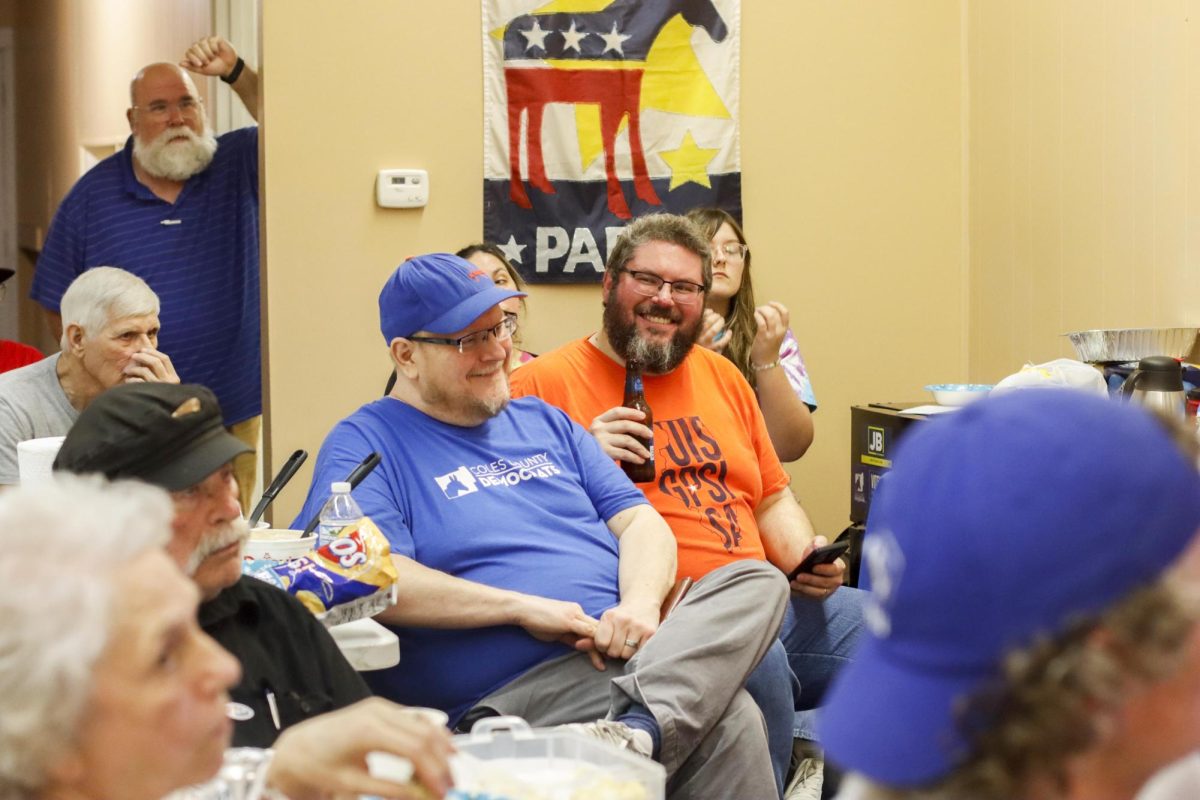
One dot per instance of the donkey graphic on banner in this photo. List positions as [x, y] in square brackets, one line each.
[563, 82]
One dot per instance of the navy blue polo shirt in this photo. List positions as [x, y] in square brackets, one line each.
[199, 255]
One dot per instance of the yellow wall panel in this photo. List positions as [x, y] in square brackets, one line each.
[1081, 204]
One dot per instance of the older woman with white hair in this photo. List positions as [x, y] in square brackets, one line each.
[110, 336]
[109, 688]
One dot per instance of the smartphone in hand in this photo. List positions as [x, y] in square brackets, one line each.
[822, 555]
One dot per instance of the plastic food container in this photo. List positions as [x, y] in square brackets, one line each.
[958, 394]
[504, 759]
[276, 544]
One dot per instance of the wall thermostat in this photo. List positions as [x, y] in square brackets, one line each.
[402, 188]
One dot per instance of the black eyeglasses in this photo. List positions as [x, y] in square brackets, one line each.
[502, 332]
[647, 283]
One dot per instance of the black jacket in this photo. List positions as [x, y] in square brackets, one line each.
[284, 650]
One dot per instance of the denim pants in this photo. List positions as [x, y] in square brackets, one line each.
[817, 638]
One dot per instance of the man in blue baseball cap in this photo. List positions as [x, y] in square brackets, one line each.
[532, 570]
[1034, 562]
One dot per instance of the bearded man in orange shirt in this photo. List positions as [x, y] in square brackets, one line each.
[719, 484]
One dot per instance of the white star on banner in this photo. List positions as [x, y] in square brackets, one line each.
[572, 38]
[614, 40]
[512, 250]
[535, 36]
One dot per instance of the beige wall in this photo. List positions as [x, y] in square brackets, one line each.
[116, 38]
[851, 160]
[1085, 165]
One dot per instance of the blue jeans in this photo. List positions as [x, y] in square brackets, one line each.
[816, 639]
[820, 637]
[776, 692]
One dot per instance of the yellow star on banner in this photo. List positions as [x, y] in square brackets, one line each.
[689, 163]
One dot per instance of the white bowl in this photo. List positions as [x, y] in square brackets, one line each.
[958, 394]
[276, 544]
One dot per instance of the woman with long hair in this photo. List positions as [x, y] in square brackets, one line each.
[756, 338]
[492, 260]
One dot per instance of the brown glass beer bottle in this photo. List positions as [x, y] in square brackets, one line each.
[635, 397]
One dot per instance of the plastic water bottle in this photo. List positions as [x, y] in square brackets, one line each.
[339, 511]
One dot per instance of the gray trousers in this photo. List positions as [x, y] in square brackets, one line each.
[689, 675]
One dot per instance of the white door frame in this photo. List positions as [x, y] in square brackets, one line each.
[236, 21]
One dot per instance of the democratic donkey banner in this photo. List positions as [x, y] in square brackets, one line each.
[597, 111]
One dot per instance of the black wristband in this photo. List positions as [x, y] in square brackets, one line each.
[236, 72]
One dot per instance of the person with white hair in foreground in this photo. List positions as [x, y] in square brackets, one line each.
[108, 687]
[109, 337]
[1035, 568]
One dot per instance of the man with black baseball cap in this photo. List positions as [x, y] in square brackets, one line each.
[173, 436]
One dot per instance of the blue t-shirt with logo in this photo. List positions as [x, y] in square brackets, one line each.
[519, 503]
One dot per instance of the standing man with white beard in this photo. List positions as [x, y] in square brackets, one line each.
[178, 207]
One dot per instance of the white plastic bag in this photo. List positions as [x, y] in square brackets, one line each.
[1061, 373]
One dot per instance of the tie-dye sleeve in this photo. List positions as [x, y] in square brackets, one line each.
[797, 374]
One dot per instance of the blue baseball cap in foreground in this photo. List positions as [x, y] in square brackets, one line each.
[1000, 523]
[437, 293]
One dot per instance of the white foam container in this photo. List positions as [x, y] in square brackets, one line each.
[277, 544]
[505, 754]
[35, 458]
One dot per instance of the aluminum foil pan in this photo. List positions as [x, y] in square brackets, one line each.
[1132, 344]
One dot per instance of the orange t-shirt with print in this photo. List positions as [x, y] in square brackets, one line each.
[714, 459]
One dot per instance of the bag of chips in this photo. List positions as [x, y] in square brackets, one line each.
[349, 578]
